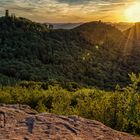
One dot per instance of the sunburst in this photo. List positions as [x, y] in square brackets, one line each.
[132, 13]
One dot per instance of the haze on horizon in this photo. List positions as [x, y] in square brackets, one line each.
[64, 11]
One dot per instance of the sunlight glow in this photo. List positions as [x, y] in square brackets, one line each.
[132, 13]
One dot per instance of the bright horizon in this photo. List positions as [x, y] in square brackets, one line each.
[74, 11]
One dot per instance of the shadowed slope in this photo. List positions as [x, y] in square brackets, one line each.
[131, 49]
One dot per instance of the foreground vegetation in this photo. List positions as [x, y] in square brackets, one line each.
[119, 109]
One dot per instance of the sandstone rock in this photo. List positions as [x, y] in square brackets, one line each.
[19, 122]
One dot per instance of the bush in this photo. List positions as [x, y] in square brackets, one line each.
[119, 109]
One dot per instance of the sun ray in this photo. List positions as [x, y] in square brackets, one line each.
[128, 43]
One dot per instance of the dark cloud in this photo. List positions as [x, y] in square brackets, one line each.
[86, 1]
[74, 1]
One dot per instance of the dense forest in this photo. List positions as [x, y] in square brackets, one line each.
[93, 54]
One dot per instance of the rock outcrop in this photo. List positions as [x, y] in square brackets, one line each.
[18, 122]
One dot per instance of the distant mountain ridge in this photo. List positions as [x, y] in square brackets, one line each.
[120, 25]
[91, 54]
[65, 25]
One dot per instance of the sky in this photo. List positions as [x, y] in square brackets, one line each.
[68, 11]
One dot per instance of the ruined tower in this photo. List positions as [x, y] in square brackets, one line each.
[6, 13]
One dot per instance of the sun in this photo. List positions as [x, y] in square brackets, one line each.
[132, 13]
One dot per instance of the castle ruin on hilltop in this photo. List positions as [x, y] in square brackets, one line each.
[13, 16]
[7, 14]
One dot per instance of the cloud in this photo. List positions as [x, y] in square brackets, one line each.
[65, 10]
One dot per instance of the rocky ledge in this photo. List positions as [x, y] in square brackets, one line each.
[19, 122]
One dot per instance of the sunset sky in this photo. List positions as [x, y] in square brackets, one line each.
[71, 10]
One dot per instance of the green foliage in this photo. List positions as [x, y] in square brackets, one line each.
[119, 109]
[40, 107]
[88, 55]
[49, 69]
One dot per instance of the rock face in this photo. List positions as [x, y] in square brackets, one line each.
[22, 123]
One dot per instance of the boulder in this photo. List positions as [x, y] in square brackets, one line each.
[20, 122]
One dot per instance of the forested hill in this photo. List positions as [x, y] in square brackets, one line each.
[90, 54]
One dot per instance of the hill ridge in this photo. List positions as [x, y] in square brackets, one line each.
[86, 54]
